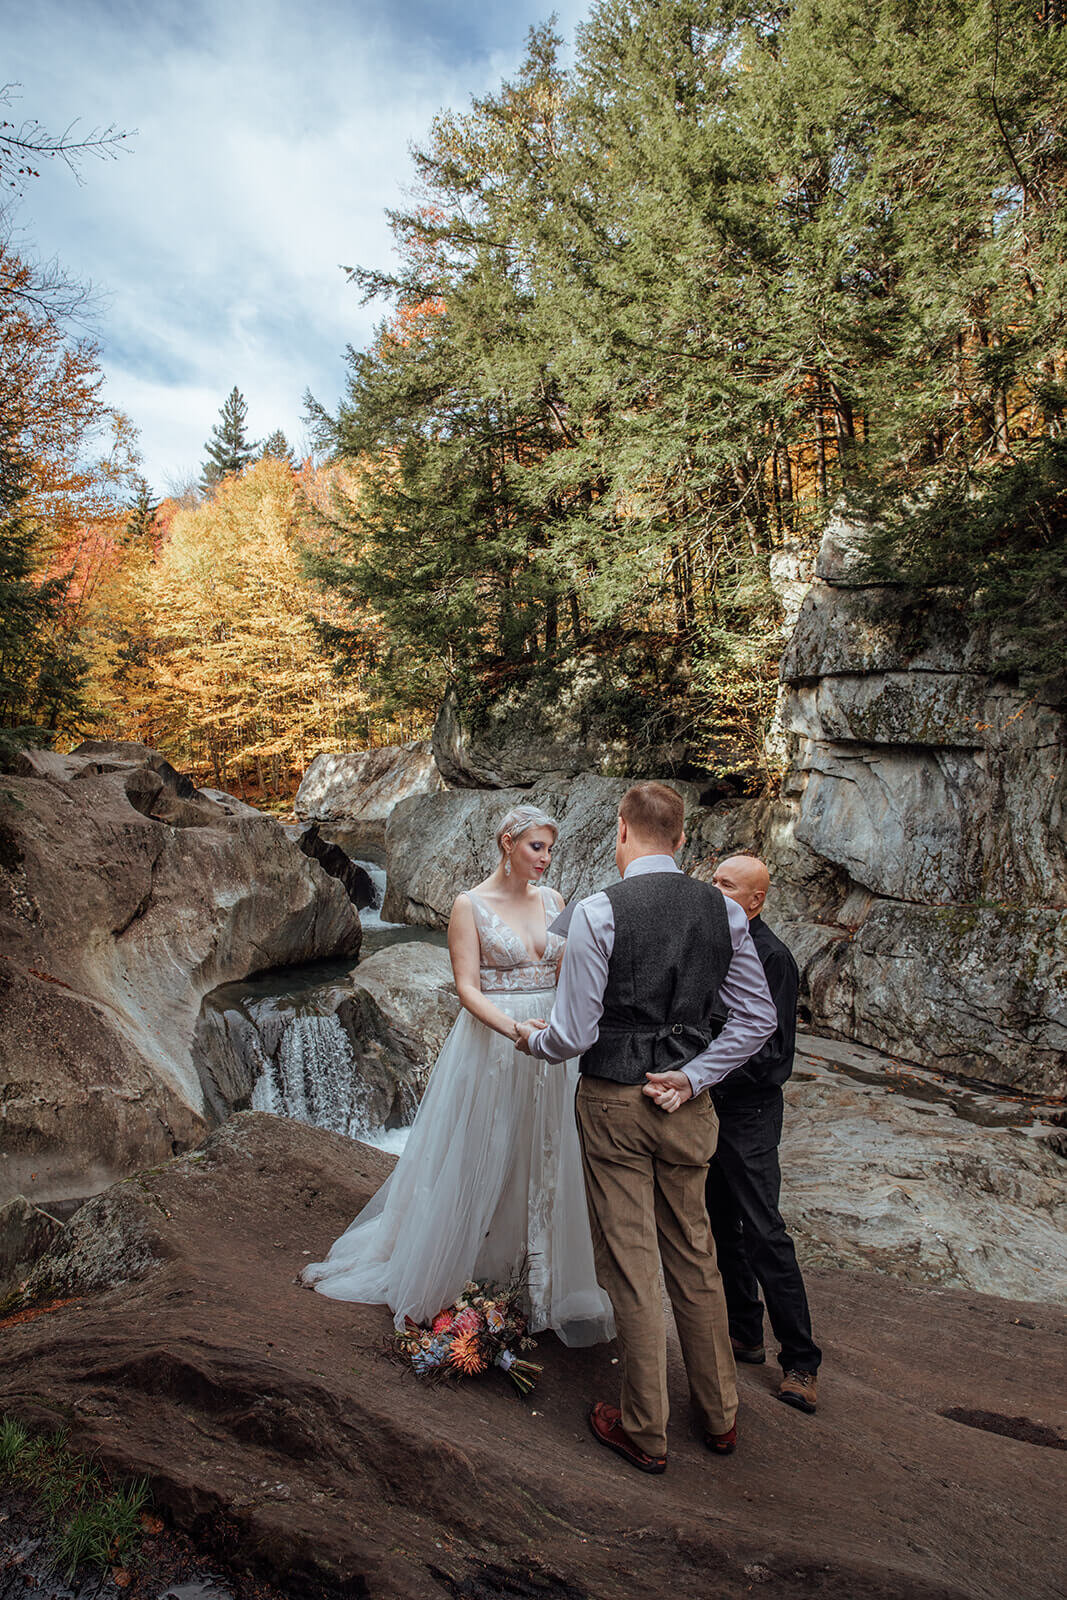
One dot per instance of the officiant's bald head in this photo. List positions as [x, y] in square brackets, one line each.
[744, 879]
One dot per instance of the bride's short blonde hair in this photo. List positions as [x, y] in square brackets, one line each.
[520, 819]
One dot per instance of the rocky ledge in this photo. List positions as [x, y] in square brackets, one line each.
[181, 1348]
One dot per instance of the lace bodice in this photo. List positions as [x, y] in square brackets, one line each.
[506, 964]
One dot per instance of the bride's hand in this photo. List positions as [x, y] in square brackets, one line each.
[523, 1031]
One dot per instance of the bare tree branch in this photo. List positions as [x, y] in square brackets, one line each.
[23, 144]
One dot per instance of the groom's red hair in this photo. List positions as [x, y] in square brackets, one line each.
[654, 811]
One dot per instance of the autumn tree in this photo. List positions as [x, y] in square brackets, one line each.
[228, 449]
[52, 489]
[229, 675]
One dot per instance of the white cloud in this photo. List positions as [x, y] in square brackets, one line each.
[270, 141]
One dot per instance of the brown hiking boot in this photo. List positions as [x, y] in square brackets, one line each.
[799, 1389]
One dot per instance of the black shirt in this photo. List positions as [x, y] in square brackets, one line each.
[773, 1062]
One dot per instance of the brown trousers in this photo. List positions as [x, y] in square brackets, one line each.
[644, 1181]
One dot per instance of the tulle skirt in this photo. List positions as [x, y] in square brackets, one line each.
[490, 1178]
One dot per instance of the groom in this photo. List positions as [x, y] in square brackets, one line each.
[661, 994]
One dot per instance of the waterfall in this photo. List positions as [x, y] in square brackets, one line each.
[371, 916]
[280, 1032]
[314, 1077]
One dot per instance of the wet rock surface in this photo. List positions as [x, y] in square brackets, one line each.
[332, 859]
[350, 1051]
[125, 896]
[242, 1395]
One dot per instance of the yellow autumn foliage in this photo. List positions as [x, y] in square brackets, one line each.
[210, 651]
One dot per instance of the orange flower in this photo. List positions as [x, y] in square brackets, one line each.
[466, 1354]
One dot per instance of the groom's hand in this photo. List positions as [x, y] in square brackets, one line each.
[524, 1030]
[668, 1089]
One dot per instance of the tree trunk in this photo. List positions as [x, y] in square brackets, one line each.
[820, 444]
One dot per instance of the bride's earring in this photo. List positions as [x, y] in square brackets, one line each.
[507, 866]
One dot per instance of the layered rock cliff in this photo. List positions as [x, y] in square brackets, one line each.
[931, 786]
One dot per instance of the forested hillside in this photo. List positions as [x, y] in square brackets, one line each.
[657, 307]
[655, 313]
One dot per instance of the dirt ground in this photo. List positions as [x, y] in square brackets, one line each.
[935, 1467]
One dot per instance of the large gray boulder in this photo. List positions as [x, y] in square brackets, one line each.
[411, 984]
[351, 793]
[976, 990]
[125, 897]
[438, 844]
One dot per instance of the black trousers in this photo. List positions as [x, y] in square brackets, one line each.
[754, 1249]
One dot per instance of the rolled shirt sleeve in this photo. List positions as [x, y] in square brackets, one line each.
[752, 1017]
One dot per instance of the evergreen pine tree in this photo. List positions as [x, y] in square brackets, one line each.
[41, 669]
[143, 510]
[278, 446]
[655, 314]
[228, 449]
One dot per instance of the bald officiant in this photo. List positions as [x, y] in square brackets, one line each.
[754, 1248]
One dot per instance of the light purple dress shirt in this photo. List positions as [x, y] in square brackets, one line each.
[574, 1025]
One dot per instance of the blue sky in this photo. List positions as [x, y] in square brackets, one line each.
[270, 139]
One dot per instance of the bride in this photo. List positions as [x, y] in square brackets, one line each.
[491, 1173]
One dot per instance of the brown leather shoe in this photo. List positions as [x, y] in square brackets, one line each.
[606, 1423]
[799, 1389]
[722, 1444]
[753, 1354]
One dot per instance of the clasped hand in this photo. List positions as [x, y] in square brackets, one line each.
[668, 1089]
[523, 1031]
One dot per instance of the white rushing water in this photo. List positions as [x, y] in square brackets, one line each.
[313, 1078]
[371, 916]
[314, 1075]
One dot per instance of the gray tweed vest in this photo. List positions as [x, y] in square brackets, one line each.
[671, 954]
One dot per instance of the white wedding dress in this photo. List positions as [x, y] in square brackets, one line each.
[491, 1173]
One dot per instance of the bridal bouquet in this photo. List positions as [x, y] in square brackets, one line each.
[485, 1328]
